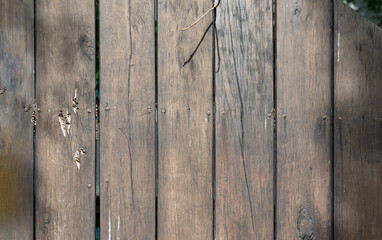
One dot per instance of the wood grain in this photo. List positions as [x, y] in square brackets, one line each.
[358, 136]
[16, 128]
[304, 75]
[65, 78]
[185, 204]
[244, 131]
[127, 130]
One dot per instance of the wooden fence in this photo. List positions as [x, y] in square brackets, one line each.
[272, 129]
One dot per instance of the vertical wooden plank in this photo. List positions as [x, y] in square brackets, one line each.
[304, 73]
[244, 131]
[16, 129]
[185, 205]
[358, 127]
[127, 137]
[65, 131]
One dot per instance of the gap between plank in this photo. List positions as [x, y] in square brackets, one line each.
[97, 118]
[214, 38]
[156, 115]
[332, 115]
[274, 26]
[34, 126]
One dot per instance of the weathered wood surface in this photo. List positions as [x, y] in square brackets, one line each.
[358, 127]
[65, 144]
[16, 128]
[244, 131]
[304, 56]
[185, 204]
[127, 137]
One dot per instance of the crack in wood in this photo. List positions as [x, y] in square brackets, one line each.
[131, 166]
[128, 110]
[242, 137]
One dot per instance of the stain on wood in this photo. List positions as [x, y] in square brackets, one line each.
[16, 128]
[65, 205]
[357, 126]
[127, 129]
[304, 78]
[244, 132]
[185, 204]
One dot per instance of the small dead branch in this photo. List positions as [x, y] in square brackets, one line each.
[200, 18]
[212, 24]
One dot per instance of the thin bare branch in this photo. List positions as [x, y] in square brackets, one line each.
[198, 20]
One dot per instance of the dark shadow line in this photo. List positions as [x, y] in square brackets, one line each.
[34, 175]
[332, 149]
[156, 180]
[274, 26]
[214, 39]
[97, 175]
[197, 46]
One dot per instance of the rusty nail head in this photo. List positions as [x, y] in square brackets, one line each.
[324, 117]
[25, 109]
[107, 108]
[38, 109]
[284, 116]
[163, 110]
[89, 185]
[339, 118]
[89, 110]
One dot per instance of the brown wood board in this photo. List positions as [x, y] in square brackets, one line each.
[357, 126]
[185, 121]
[127, 123]
[16, 128]
[304, 132]
[65, 131]
[244, 120]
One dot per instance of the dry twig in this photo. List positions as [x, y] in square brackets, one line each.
[198, 20]
[212, 24]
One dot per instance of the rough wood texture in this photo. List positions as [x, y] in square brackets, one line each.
[358, 136]
[65, 144]
[185, 205]
[127, 134]
[244, 131]
[16, 128]
[304, 50]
